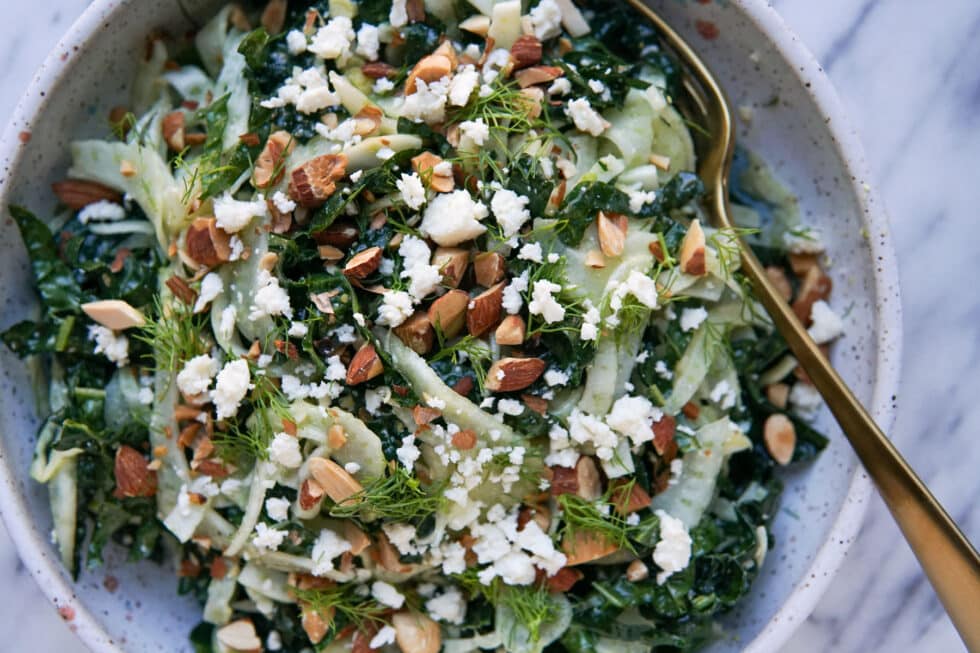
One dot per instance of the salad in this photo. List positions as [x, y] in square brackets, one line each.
[398, 326]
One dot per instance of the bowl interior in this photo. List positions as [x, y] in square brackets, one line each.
[91, 71]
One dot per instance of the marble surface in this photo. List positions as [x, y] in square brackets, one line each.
[908, 76]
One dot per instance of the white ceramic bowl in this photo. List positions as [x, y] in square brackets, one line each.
[798, 127]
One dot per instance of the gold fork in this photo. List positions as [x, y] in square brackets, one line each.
[947, 557]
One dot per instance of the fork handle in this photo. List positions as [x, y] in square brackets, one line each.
[946, 555]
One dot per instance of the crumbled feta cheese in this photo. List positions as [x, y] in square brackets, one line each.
[237, 248]
[546, 20]
[195, 378]
[296, 42]
[332, 41]
[555, 377]
[386, 594]
[805, 399]
[297, 330]
[643, 288]
[473, 133]
[352, 468]
[560, 86]
[368, 42]
[395, 308]
[231, 387]
[211, 287]
[673, 550]
[596, 86]
[510, 407]
[398, 16]
[691, 318]
[515, 568]
[590, 322]
[452, 218]
[531, 252]
[284, 451]
[586, 118]
[282, 202]
[664, 372]
[234, 215]
[101, 210]
[408, 453]
[267, 538]
[273, 641]
[335, 369]
[450, 606]
[270, 299]
[402, 537]
[428, 102]
[639, 198]
[385, 636]
[327, 547]
[584, 428]
[115, 347]
[826, 325]
[512, 298]
[276, 507]
[412, 190]
[462, 85]
[306, 89]
[723, 394]
[145, 396]
[226, 323]
[634, 417]
[381, 86]
[510, 211]
[543, 302]
[423, 277]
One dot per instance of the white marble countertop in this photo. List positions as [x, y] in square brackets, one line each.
[908, 75]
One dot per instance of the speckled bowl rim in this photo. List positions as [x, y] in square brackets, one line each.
[35, 552]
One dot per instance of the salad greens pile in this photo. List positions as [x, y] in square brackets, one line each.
[397, 326]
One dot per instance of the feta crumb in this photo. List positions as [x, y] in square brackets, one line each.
[297, 330]
[512, 299]
[101, 210]
[805, 399]
[386, 594]
[428, 102]
[452, 218]
[691, 318]
[510, 211]
[398, 16]
[586, 118]
[231, 387]
[412, 190]
[273, 641]
[639, 198]
[462, 85]
[277, 508]
[381, 86]
[643, 288]
[827, 325]
[332, 41]
[395, 308]
[450, 606]
[282, 202]
[664, 372]
[560, 86]
[284, 451]
[368, 42]
[352, 468]
[673, 551]
[267, 538]
[555, 377]
[195, 378]
[402, 537]
[531, 252]
[543, 302]
[723, 394]
[408, 453]
[211, 287]
[115, 347]
[296, 42]
[473, 133]
[385, 636]
[510, 407]
[634, 417]
[270, 299]
[596, 86]
[234, 215]
[546, 20]
[423, 277]
[327, 547]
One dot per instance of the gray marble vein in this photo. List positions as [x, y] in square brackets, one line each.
[908, 75]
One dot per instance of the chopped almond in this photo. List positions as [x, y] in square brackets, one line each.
[452, 262]
[387, 556]
[425, 165]
[334, 479]
[691, 410]
[483, 311]
[358, 539]
[693, 250]
[114, 314]
[611, 229]
[509, 374]
[637, 571]
[531, 99]
[526, 51]
[660, 161]
[802, 262]
[587, 479]
[172, 127]
[489, 268]
[423, 415]
[663, 434]
[181, 290]
[340, 234]
[316, 623]
[378, 70]
[537, 75]
[240, 636]
[585, 547]
[477, 24]
[365, 365]
[511, 331]
[416, 633]
[76, 194]
[777, 394]
[417, 332]
[270, 164]
[815, 286]
[330, 253]
[779, 281]
[535, 403]
[564, 580]
[595, 259]
[429, 69]
[310, 494]
[274, 16]
[363, 264]
[368, 120]
[206, 243]
[336, 437]
[779, 435]
[629, 502]
[448, 312]
[313, 182]
[133, 477]
[465, 439]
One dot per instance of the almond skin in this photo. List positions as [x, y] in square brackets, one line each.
[310, 494]
[206, 243]
[417, 332]
[489, 268]
[172, 127]
[76, 194]
[313, 182]
[585, 547]
[363, 264]
[365, 365]
[416, 633]
[611, 229]
[133, 477]
[483, 311]
[449, 312]
[629, 502]
[316, 623]
[692, 250]
[509, 374]
[368, 120]
[269, 168]
[340, 234]
[511, 331]
[378, 69]
[526, 51]
[452, 262]
[779, 435]
[537, 75]
[564, 580]
[464, 440]
[334, 479]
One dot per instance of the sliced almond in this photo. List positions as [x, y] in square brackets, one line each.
[447, 50]
[535, 403]
[777, 277]
[611, 229]
[206, 243]
[477, 24]
[340, 234]
[585, 547]
[240, 636]
[483, 311]
[416, 633]
[637, 571]
[815, 286]
[509, 374]
[76, 194]
[310, 494]
[628, 502]
[448, 312]
[526, 51]
[387, 555]
[465, 439]
[365, 365]
[114, 314]
[378, 70]
[330, 253]
[779, 434]
[660, 161]
[511, 331]
[692, 250]
[587, 477]
[313, 182]
[489, 268]
[316, 623]
[425, 165]
[423, 415]
[368, 120]
[452, 262]
[663, 436]
[334, 479]
[172, 127]
[181, 289]
[132, 474]
[777, 394]
[564, 580]
[358, 539]
[363, 264]
[537, 75]
[274, 16]
[417, 332]
[270, 164]
[429, 69]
